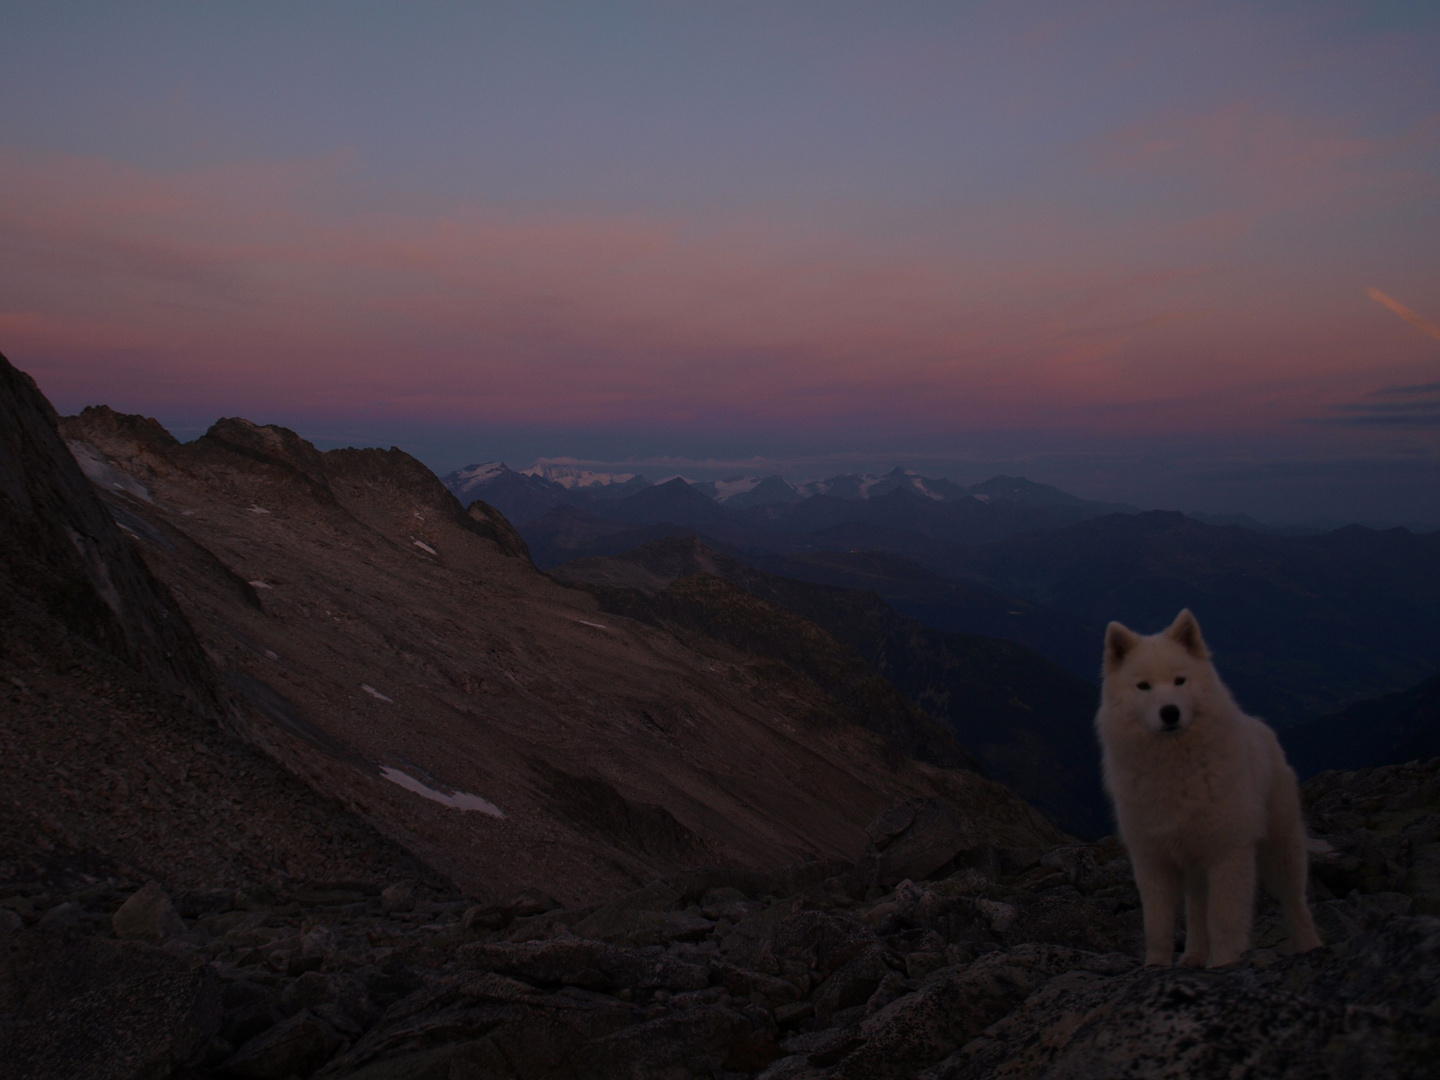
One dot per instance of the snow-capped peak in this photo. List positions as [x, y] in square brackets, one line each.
[571, 477]
[478, 474]
[736, 485]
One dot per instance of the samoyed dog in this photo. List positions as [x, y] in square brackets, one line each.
[1203, 795]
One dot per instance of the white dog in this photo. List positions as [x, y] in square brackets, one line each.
[1203, 796]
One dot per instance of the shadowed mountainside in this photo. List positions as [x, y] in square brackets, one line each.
[956, 607]
[1301, 624]
[705, 611]
[1026, 719]
[61, 553]
[1388, 730]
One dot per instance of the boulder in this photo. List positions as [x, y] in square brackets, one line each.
[533, 902]
[642, 918]
[96, 1007]
[1362, 1010]
[397, 898]
[852, 983]
[488, 917]
[592, 965]
[148, 916]
[294, 1047]
[820, 940]
[918, 838]
[10, 924]
[641, 928]
[746, 985]
[950, 1009]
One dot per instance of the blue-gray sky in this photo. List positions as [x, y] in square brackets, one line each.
[1176, 254]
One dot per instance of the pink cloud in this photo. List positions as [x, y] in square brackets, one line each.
[267, 284]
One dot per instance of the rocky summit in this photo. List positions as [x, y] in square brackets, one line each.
[306, 771]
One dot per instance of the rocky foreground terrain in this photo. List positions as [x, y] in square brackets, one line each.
[1019, 963]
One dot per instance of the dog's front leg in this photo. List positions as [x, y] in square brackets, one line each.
[1197, 930]
[1159, 885]
[1230, 907]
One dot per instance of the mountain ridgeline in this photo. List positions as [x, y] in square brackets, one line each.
[1304, 624]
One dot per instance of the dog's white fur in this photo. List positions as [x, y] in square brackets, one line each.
[1203, 795]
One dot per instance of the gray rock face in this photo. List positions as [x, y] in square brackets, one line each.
[1324, 1014]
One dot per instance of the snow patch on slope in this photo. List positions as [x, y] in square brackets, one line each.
[460, 800]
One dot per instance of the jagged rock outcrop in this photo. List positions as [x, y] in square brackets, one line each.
[62, 555]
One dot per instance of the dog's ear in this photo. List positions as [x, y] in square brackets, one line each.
[1185, 632]
[1119, 640]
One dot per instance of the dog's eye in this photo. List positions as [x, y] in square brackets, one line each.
[1179, 680]
[1142, 686]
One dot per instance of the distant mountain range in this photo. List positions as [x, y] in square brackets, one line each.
[1304, 623]
[519, 494]
[901, 511]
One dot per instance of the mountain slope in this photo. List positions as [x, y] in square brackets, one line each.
[956, 607]
[1027, 720]
[705, 609]
[122, 757]
[1388, 730]
[398, 657]
[673, 502]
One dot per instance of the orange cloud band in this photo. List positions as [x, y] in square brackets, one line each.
[1424, 325]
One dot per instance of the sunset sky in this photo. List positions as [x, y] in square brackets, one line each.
[1184, 255]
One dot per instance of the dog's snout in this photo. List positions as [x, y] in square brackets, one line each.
[1170, 715]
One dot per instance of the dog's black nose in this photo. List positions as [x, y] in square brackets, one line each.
[1170, 715]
